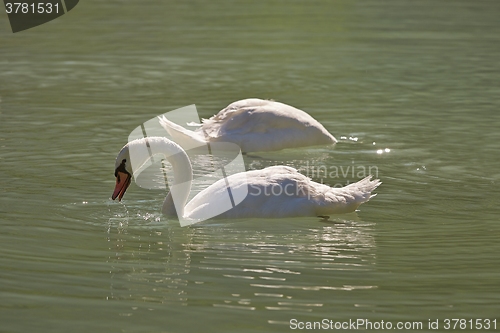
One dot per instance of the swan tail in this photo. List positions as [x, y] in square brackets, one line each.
[185, 138]
[361, 191]
[367, 186]
[348, 198]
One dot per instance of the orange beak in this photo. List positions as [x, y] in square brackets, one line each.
[123, 180]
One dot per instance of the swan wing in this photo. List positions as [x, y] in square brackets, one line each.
[263, 125]
[281, 191]
[277, 191]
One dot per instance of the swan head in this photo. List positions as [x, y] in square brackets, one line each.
[123, 173]
[142, 150]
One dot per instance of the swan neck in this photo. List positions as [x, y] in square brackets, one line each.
[181, 167]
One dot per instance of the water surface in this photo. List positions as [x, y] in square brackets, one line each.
[409, 89]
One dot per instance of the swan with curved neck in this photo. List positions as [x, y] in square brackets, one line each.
[254, 125]
[277, 191]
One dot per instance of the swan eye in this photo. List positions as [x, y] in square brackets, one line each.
[121, 168]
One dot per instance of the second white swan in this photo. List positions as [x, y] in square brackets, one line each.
[254, 125]
[277, 191]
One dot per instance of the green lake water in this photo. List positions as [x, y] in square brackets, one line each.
[411, 89]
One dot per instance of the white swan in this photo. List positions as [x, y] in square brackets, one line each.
[254, 125]
[277, 191]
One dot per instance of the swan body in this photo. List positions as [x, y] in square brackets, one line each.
[277, 191]
[254, 125]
